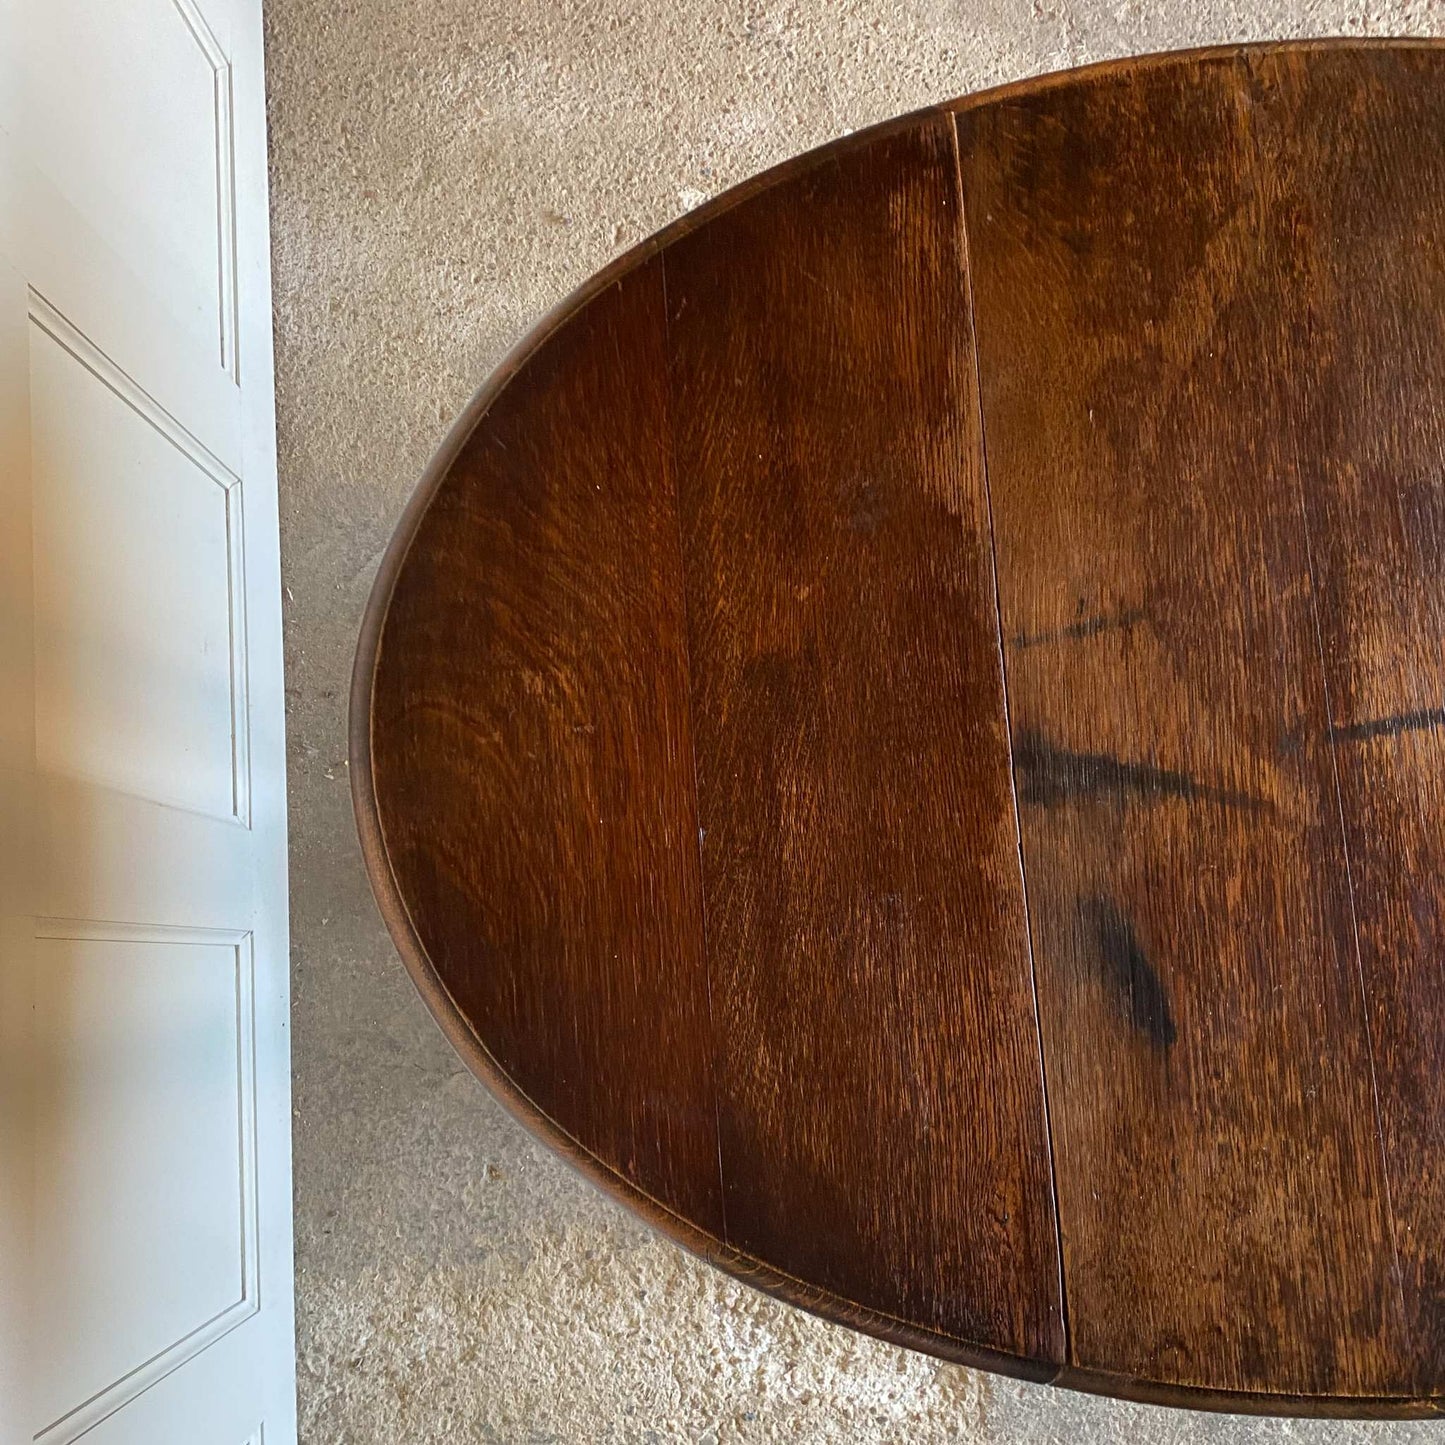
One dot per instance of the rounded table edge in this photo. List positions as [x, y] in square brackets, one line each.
[737, 1264]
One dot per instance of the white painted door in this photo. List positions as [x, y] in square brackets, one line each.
[145, 1187]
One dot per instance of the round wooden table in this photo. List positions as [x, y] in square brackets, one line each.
[902, 731]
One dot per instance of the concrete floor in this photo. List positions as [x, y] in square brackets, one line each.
[442, 172]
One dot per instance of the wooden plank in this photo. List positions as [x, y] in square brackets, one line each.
[530, 740]
[882, 1118]
[1220, 1186]
[1352, 143]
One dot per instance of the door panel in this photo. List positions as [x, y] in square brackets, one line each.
[127, 321]
[145, 908]
[140, 621]
[145, 1125]
[152, 163]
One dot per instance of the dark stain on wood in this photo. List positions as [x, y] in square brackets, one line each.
[1128, 973]
[1085, 628]
[1049, 775]
[1421, 720]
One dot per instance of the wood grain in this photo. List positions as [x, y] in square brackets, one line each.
[1353, 152]
[905, 732]
[1206, 1046]
[865, 926]
[529, 732]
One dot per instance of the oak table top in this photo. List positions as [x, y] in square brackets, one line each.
[902, 731]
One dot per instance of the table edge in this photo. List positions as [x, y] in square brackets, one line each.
[739, 1265]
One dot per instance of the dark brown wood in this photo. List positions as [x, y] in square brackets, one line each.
[904, 731]
[1366, 366]
[1204, 1036]
[529, 731]
[865, 925]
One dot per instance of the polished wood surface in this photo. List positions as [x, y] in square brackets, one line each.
[535, 733]
[865, 922]
[1139, 349]
[902, 732]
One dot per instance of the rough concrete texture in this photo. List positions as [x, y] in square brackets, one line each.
[443, 171]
